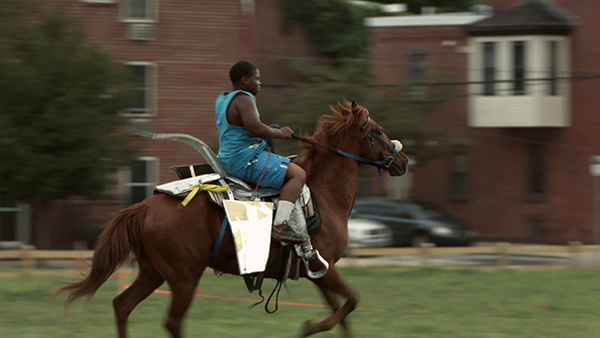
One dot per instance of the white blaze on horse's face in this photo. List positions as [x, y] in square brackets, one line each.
[397, 144]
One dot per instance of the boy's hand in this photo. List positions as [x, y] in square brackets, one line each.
[286, 132]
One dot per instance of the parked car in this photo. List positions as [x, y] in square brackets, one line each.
[414, 222]
[365, 233]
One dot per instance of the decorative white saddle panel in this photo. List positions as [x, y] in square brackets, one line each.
[251, 228]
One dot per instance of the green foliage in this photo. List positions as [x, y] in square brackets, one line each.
[60, 131]
[335, 27]
[402, 109]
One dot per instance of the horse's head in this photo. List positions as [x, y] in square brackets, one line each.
[374, 145]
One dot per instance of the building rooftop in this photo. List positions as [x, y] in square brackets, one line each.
[446, 19]
[539, 17]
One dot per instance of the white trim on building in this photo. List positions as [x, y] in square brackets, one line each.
[452, 19]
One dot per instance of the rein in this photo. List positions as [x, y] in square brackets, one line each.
[386, 162]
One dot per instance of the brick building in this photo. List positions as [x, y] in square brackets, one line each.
[525, 126]
[521, 170]
[179, 53]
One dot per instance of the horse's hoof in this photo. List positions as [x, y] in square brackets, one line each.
[308, 329]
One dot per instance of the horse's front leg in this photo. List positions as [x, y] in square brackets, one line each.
[332, 299]
[331, 285]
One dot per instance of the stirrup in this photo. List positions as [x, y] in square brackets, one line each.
[318, 274]
[308, 254]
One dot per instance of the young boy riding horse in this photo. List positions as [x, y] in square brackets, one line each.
[244, 153]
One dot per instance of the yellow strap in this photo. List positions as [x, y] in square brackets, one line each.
[198, 187]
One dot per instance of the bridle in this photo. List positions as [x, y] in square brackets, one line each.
[385, 162]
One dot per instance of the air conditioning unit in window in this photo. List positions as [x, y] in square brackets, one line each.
[140, 32]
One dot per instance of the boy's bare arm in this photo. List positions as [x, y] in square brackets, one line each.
[246, 110]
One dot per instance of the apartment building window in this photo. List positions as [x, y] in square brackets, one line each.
[553, 67]
[142, 78]
[143, 177]
[417, 68]
[537, 170]
[139, 10]
[459, 175]
[8, 220]
[519, 58]
[489, 68]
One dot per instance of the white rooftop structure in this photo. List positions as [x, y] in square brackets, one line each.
[391, 8]
[449, 19]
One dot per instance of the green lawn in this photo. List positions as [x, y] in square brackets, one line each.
[394, 303]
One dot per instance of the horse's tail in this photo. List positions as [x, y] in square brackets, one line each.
[120, 238]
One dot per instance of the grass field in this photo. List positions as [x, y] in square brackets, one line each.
[394, 303]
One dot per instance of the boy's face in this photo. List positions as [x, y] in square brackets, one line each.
[252, 82]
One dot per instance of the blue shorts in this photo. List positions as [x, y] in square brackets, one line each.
[251, 172]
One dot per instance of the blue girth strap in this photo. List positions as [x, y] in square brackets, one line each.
[220, 240]
[278, 262]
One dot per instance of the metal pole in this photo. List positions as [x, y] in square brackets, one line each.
[595, 172]
[596, 210]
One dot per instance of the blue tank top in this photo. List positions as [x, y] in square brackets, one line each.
[236, 145]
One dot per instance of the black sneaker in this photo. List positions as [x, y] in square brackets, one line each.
[283, 233]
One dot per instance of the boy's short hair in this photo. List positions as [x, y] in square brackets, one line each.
[241, 69]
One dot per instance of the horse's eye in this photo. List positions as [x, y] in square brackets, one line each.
[380, 131]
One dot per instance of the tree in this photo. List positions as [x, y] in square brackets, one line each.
[336, 29]
[60, 98]
[401, 109]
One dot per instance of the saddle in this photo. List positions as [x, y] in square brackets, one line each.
[192, 176]
[240, 190]
[305, 218]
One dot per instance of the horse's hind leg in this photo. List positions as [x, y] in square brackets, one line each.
[333, 282]
[146, 282]
[183, 293]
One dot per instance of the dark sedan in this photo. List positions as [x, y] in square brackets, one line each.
[414, 222]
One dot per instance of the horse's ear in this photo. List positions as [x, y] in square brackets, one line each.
[355, 107]
[343, 110]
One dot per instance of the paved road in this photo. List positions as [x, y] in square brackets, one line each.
[459, 260]
[553, 259]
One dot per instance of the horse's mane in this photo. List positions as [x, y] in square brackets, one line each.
[334, 126]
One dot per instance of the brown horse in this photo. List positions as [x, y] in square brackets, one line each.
[175, 244]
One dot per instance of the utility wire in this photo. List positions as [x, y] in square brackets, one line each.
[288, 57]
